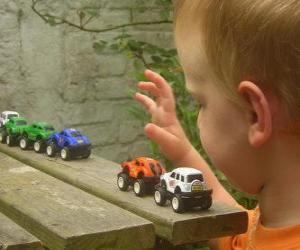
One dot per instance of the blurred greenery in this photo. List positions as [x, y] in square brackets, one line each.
[164, 61]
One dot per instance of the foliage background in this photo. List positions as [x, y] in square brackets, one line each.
[160, 59]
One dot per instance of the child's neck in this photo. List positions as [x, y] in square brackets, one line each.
[280, 197]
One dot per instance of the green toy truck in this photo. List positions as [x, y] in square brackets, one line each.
[36, 134]
[12, 130]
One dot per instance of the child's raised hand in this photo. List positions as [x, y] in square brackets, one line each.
[165, 128]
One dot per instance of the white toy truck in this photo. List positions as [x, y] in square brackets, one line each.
[185, 188]
[6, 115]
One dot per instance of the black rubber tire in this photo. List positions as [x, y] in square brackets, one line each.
[142, 187]
[3, 136]
[162, 194]
[52, 151]
[87, 154]
[10, 140]
[163, 184]
[180, 208]
[124, 181]
[41, 146]
[24, 140]
[206, 202]
[67, 155]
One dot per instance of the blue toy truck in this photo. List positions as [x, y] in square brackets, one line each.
[70, 143]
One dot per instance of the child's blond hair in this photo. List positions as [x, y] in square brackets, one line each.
[257, 40]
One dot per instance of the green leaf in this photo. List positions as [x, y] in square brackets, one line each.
[92, 12]
[156, 59]
[99, 46]
[51, 21]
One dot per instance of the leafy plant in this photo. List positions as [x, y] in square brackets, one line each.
[146, 55]
[165, 62]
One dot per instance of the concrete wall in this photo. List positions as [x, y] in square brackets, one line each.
[52, 74]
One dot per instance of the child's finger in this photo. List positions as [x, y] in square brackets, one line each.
[159, 135]
[146, 101]
[149, 86]
[160, 82]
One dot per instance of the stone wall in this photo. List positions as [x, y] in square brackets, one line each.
[52, 74]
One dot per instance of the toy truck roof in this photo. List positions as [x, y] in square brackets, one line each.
[70, 130]
[187, 171]
[7, 112]
[42, 124]
[18, 119]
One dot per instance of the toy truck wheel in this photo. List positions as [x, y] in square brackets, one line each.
[160, 197]
[38, 146]
[3, 135]
[24, 143]
[51, 149]
[65, 154]
[206, 203]
[9, 140]
[177, 203]
[87, 154]
[139, 187]
[123, 182]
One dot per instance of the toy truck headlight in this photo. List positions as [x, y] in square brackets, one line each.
[196, 186]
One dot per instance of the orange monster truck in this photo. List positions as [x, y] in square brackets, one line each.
[142, 173]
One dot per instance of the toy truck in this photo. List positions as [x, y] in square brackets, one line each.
[142, 173]
[13, 130]
[6, 115]
[185, 188]
[36, 134]
[70, 143]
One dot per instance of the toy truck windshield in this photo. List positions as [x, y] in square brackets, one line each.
[20, 122]
[50, 128]
[75, 134]
[155, 170]
[11, 116]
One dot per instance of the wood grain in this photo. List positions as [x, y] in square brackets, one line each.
[98, 177]
[14, 237]
[65, 217]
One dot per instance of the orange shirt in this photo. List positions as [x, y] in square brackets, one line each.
[263, 238]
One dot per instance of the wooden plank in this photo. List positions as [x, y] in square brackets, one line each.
[14, 237]
[98, 176]
[65, 217]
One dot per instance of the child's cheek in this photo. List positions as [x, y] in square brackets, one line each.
[204, 137]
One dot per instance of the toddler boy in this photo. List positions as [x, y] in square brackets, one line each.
[241, 60]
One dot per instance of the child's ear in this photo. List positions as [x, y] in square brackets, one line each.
[260, 115]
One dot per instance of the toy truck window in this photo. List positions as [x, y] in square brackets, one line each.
[177, 176]
[152, 167]
[75, 134]
[172, 175]
[49, 128]
[182, 178]
[193, 177]
[159, 168]
[20, 123]
[11, 115]
[137, 163]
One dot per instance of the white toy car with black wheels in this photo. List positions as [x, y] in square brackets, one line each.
[6, 115]
[185, 188]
